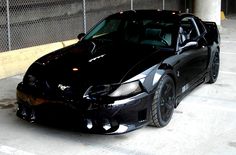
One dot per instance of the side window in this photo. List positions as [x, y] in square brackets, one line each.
[188, 31]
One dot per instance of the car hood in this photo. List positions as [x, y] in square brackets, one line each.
[95, 63]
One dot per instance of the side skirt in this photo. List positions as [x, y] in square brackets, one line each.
[194, 83]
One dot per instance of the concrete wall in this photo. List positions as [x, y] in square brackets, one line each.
[208, 10]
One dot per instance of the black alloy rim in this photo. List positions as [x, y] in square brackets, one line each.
[166, 106]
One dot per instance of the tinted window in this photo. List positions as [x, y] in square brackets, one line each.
[104, 28]
[146, 31]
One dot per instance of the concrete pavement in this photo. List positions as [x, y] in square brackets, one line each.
[204, 122]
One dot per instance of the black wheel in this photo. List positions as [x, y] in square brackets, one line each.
[163, 102]
[214, 69]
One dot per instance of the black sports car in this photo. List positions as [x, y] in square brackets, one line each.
[130, 70]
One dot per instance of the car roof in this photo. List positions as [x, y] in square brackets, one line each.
[172, 14]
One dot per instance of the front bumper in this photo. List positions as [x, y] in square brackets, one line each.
[118, 117]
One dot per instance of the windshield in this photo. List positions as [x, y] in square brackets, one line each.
[154, 32]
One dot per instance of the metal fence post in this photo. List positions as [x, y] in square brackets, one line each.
[8, 26]
[132, 5]
[163, 4]
[185, 5]
[84, 15]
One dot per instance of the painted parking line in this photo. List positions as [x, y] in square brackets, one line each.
[13, 151]
[231, 102]
[232, 53]
[228, 41]
[226, 72]
[214, 107]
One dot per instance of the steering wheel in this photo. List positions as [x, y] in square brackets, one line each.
[164, 42]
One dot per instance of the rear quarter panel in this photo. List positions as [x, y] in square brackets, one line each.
[212, 32]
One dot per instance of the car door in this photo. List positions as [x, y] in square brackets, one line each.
[192, 55]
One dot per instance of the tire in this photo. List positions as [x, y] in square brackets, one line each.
[163, 102]
[214, 69]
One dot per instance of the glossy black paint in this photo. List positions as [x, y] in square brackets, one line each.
[54, 87]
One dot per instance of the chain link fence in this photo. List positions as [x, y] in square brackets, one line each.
[3, 26]
[26, 23]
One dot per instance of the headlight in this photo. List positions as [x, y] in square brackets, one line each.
[30, 80]
[127, 89]
[114, 90]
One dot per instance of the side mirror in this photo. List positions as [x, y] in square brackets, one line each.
[189, 45]
[80, 36]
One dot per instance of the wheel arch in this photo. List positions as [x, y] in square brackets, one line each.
[169, 70]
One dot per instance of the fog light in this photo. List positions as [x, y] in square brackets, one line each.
[122, 129]
[89, 124]
[32, 116]
[23, 113]
[106, 124]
